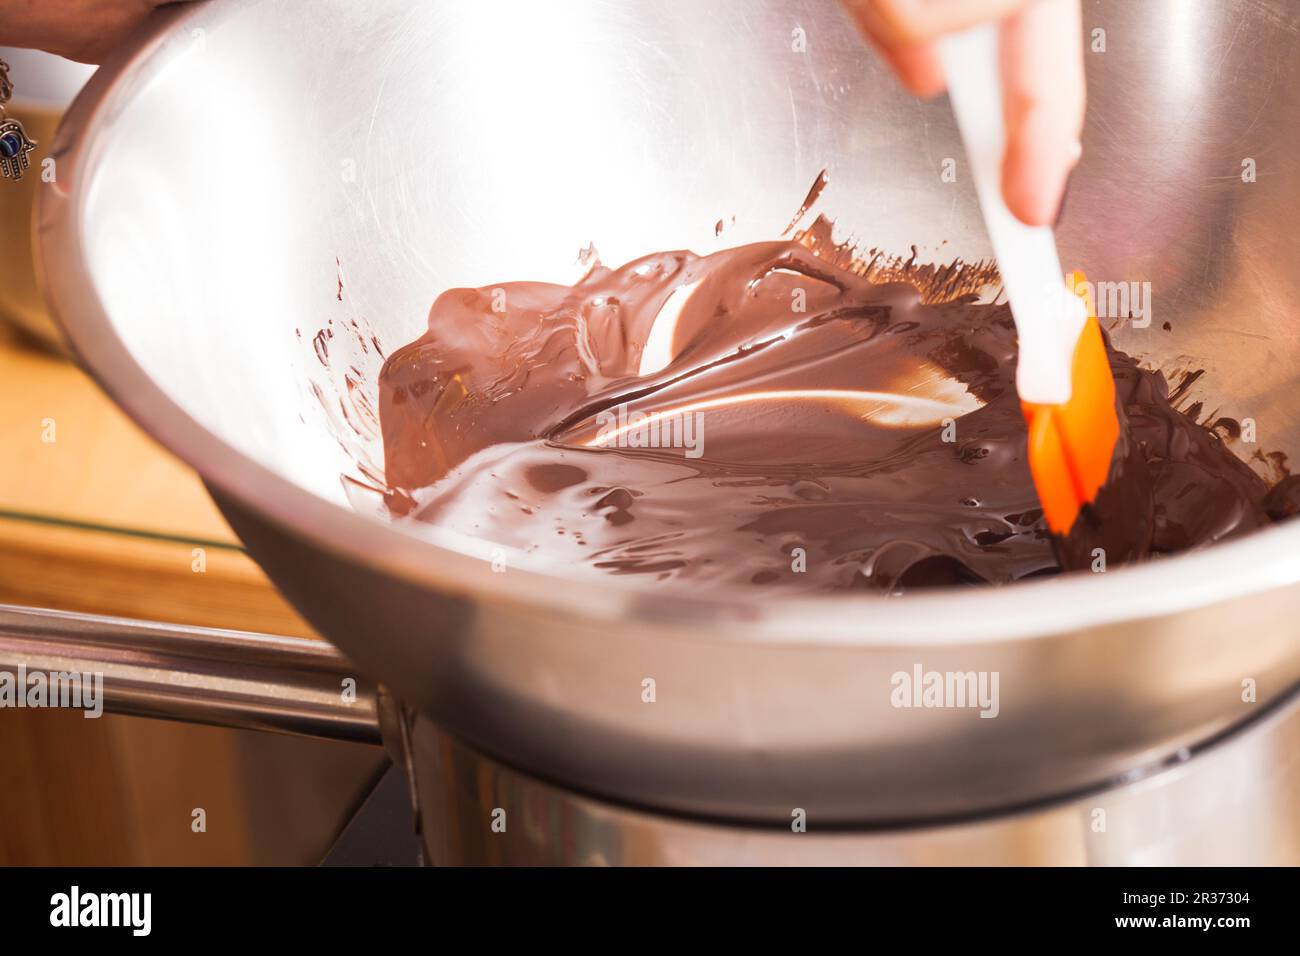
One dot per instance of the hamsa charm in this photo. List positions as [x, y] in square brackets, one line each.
[15, 145]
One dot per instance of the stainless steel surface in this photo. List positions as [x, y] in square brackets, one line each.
[1233, 804]
[217, 181]
[198, 674]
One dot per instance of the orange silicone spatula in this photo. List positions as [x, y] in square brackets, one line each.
[1063, 377]
[1071, 442]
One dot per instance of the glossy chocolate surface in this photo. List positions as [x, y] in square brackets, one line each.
[782, 415]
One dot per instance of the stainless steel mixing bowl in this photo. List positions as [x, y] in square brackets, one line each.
[221, 182]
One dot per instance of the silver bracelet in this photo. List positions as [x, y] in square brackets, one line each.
[15, 144]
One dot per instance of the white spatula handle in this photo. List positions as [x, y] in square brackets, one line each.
[1048, 317]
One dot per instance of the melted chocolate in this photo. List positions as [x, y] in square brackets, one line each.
[813, 421]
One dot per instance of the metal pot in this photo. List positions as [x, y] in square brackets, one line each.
[249, 171]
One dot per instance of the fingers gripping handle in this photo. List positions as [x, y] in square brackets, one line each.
[1048, 316]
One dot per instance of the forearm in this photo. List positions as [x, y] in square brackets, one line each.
[82, 30]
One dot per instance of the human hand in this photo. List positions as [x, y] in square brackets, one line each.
[1042, 81]
[84, 30]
